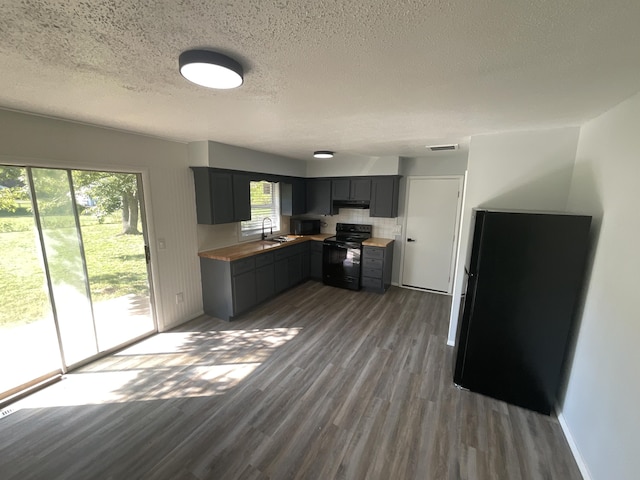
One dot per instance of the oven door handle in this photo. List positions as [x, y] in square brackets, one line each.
[336, 246]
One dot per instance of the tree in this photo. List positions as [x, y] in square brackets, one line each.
[12, 188]
[112, 192]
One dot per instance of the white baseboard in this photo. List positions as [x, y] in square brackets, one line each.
[574, 448]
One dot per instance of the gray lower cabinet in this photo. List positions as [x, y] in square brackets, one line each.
[304, 260]
[315, 260]
[295, 270]
[376, 268]
[264, 277]
[244, 291]
[288, 266]
[228, 288]
[281, 272]
[232, 288]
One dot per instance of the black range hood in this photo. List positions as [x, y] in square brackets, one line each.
[350, 204]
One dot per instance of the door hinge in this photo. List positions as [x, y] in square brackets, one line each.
[147, 254]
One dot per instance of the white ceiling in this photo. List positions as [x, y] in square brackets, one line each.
[374, 78]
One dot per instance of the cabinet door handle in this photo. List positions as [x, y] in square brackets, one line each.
[410, 240]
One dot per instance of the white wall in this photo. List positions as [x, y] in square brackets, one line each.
[353, 166]
[169, 192]
[517, 170]
[440, 164]
[600, 409]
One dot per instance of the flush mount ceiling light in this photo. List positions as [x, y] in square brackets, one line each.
[323, 154]
[210, 69]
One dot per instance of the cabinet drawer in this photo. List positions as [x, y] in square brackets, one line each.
[316, 246]
[373, 252]
[373, 263]
[368, 282]
[372, 272]
[264, 259]
[243, 265]
[286, 252]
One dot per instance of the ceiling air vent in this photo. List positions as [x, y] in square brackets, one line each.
[442, 148]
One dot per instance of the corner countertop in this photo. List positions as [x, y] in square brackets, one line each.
[377, 242]
[248, 249]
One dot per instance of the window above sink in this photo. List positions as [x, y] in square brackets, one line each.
[265, 203]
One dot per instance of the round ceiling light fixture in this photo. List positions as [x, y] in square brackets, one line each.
[323, 154]
[210, 69]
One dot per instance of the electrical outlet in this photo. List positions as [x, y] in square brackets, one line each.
[397, 230]
[162, 244]
[179, 298]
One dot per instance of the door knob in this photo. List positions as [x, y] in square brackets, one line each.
[410, 240]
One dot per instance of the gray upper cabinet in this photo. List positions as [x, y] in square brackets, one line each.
[221, 197]
[340, 188]
[319, 196]
[241, 197]
[360, 189]
[384, 196]
[293, 197]
[351, 188]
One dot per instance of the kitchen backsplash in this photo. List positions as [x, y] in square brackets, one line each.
[382, 227]
[217, 236]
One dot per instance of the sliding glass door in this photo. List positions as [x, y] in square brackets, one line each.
[29, 349]
[111, 216]
[74, 278]
[65, 260]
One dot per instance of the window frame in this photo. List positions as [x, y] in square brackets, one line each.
[254, 233]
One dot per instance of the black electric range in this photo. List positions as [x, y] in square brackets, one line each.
[341, 255]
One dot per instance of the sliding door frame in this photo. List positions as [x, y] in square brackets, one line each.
[142, 178]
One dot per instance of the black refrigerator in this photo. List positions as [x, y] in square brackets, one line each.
[524, 281]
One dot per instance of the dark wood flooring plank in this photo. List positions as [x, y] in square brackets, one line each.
[319, 383]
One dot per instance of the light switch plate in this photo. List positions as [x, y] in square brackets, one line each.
[397, 230]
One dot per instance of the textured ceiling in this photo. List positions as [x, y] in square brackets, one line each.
[359, 77]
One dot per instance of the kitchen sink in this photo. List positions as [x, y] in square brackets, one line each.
[276, 240]
[281, 239]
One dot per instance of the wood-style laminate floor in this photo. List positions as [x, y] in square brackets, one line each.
[319, 383]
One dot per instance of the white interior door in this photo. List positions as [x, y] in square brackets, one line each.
[432, 217]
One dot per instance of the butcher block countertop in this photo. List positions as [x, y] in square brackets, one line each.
[243, 250]
[377, 242]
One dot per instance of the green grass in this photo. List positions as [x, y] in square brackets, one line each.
[115, 264]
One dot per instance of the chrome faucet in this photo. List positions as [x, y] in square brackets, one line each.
[270, 224]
